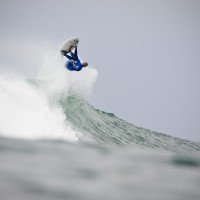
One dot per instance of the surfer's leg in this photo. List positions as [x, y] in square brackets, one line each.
[75, 52]
[74, 55]
[69, 57]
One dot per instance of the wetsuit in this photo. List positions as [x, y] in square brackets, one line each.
[74, 63]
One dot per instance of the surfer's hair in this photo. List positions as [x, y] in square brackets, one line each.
[85, 64]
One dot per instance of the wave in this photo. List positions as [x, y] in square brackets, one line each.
[54, 106]
[106, 128]
[30, 110]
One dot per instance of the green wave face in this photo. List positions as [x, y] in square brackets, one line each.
[106, 128]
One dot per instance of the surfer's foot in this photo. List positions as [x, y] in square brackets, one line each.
[70, 49]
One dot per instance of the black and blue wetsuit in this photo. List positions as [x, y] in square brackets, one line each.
[74, 63]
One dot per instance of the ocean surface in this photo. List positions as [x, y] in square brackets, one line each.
[54, 145]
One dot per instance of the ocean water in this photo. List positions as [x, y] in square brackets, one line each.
[55, 145]
[87, 170]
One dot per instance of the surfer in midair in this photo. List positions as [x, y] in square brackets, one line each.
[73, 63]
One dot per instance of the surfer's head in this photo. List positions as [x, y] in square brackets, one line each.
[85, 64]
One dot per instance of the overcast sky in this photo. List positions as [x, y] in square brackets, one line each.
[147, 53]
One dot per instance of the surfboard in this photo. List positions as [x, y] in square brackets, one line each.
[69, 44]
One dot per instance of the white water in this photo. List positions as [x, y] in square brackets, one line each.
[27, 111]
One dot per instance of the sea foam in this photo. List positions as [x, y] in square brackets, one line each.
[29, 108]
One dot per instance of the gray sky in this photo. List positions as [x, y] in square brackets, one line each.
[147, 54]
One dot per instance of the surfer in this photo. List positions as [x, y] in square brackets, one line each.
[74, 63]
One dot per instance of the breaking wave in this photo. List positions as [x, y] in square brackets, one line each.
[55, 105]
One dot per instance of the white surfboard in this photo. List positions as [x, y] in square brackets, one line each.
[69, 44]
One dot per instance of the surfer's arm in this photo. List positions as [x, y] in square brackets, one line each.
[78, 65]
